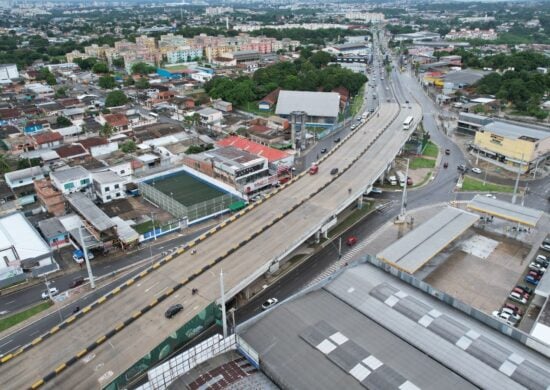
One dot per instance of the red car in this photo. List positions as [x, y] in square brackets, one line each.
[514, 308]
[535, 274]
[351, 241]
[520, 291]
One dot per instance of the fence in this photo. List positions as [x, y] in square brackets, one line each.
[162, 200]
[211, 207]
[170, 227]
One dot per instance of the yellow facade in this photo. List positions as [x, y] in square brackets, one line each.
[515, 149]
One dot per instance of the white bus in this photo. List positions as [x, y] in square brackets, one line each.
[401, 178]
[407, 122]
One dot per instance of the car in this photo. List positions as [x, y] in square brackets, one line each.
[78, 256]
[77, 282]
[376, 190]
[545, 247]
[269, 303]
[406, 101]
[542, 260]
[516, 316]
[445, 164]
[352, 127]
[337, 139]
[514, 308]
[53, 291]
[173, 310]
[323, 151]
[504, 317]
[536, 273]
[334, 171]
[531, 280]
[517, 297]
[476, 170]
[351, 241]
[490, 196]
[462, 168]
[537, 267]
[521, 292]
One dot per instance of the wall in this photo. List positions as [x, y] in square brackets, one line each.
[510, 148]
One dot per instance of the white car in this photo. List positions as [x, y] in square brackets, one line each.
[511, 313]
[537, 267]
[507, 318]
[516, 297]
[476, 170]
[269, 303]
[53, 291]
[545, 247]
[490, 196]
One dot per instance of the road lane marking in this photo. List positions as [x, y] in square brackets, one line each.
[6, 343]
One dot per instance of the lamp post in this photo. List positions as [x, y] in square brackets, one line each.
[86, 259]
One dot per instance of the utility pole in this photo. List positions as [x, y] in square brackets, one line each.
[404, 197]
[224, 319]
[85, 252]
[340, 247]
[517, 181]
[154, 230]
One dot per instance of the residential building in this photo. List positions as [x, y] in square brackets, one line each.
[183, 54]
[49, 197]
[476, 33]
[56, 235]
[222, 105]
[367, 17]
[512, 146]
[47, 140]
[71, 180]
[23, 177]
[119, 122]
[8, 73]
[210, 116]
[109, 186]
[269, 100]
[274, 157]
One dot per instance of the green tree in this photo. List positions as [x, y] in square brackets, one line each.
[118, 62]
[4, 164]
[106, 130]
[128, 146]
[24, 163]
[320, 59]
[85, 63]
[142, 68]
[61, 92]
[107, 82]
[100, 67]
[47, 76]
[128, 81]
[63, 121]
[142, 83]
[115, 99]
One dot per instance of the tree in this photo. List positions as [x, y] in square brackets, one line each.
[85, 63]
[63, 121]
[4, 165]
[24, 163]
[107, 82]
[115, 99]
[100, 67]
[106, 130]
[128, 146]
[142, 68]
[47, 76]
[61, 92]
[118, 62]
[320, 59]
[128, 81]
[142, 83]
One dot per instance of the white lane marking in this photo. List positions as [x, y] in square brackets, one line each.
[149, 289]
[6, 343]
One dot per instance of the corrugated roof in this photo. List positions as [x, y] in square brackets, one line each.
[70, 174]
[420, 245]
[322, 104]
[510, 130]
[93, 214]
[505, 210]
[16, 231]
[253, 147]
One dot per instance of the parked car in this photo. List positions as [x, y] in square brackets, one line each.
[77, 282]
[507, 318]
[531, 279]
[542, 260]
[78, 256]
[536, 274]
[447, 151]
[53, 291]
[445, 165]
[334, 171]
[337, 139]
[545, 247]
[517, 297]
[323, 151]
[269, 303]
[537, 267]
[515, 316]
[490, 196]
[173, 310]
[476, 170]
[521, 292]
[376, 190]
[462, 168]
[525, 289]
[514, 308]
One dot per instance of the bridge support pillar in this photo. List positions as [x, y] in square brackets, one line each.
[317, 236]
[382, 178]
[360, 202]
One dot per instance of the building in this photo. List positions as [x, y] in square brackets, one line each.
[269, 100]
[512, 146]
[108, 186]
[49, 197]
[71, 180]
[222, 105]
[210, 116]
[183, 54]
[47, 140]
[274, 157]
[471, 123]
[463, 33]
[54, 232]
[23, 177]
[321, 108]
[419, 36]
[22, 248]
[367, 17]
[353, 48]
[8, 73]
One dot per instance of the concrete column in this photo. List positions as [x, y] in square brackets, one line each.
[317, 236]
[360, 202]
[382, 178]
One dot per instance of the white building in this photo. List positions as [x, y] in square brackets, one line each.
[109, 186]
[367, 17]
[21, 246]
[23, 177]
[210, 115]
[8, 73]
[71, 180]
[40, 90]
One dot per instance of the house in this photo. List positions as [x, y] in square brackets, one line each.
[109, 186]
[184, 102]
[119, 122]
[47, 140]
[49, 198]
[222, 106]
[72, 152]
[56, 235]
[321, 108]
[23, 177]
[269, 100]
[210, 116]
[74, 114]
[71, 180]
[274, 157]
[22, 248]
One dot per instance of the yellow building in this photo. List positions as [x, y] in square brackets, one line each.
[511, 146]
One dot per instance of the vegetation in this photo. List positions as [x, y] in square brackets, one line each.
[100, 67]
[47, 76]
[107, 82]
[194, 149]
[115, 99]
[106, 130]
[313, 37]
[61, 92]
[430, 150]
[308, 73]
[118, 62]
[471, 184]
[128, 146]
[142, 83]
[63, 121]
[419, 162]
[15, 319]
[142, 68]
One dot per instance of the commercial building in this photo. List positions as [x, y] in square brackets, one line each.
[419, 36]
[469, 123]
[321, 108]
[512, 146]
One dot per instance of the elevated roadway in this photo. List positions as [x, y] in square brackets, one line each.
[245, 248]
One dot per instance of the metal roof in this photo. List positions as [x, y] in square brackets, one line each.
[17, 232]
[323, 104]
[93, 214]
[125, 232]
[70, 174]
[505, 210]
[420, 245]
[107, 177]
[365, 328]
[510, 130]
[51, 227]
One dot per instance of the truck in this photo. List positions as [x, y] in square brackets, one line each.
[313, 169]
[392, 180]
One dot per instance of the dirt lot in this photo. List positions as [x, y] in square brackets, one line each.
[482, 283]
[135, 209]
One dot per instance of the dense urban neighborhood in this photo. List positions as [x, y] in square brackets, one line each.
[265, 195]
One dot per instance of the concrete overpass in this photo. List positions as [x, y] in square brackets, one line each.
[245, 248]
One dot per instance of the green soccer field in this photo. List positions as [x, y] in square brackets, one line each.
[186, 189]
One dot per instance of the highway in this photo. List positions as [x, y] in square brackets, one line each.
[112, 357]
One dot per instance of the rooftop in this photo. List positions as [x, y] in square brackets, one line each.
[51, 227]
[17, 231]
[510, 130]
[253, 147]
[70, 174]
[107, 177]
[93, 214]
[465, 77]
[505, 210]
[322, 104]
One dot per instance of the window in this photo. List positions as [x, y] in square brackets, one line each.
[117, 186]
[84, 182]
[107, 188]
[122, 172]
[68, 186]
[118, 194]
[108, 197]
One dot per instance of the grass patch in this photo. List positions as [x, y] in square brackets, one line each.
[471, 184]
[356, 215]
[145, 227]
[252, 107]
[419, 162]
[431, 150]
[14, 319]
[357, 101]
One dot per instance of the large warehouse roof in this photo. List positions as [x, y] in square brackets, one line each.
[417, 247]
[366, 329]
[323, 104]
[505, 210]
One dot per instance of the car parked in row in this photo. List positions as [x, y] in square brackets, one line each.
[514, 308]
[52, 291]
[545, 247]
[534, 266]
[531, 280]
[507, 318]
[517, 297]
